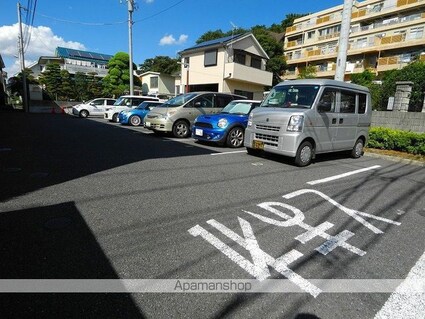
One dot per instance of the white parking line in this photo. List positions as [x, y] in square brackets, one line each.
[406, 302]
[332, 178]
[225, 153]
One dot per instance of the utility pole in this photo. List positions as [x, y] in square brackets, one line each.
[130, 42]
[22, 61]
[343, 40]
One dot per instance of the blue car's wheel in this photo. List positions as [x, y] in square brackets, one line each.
[235, 137]
[135, 120]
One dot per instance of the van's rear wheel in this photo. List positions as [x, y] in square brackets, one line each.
[304, 154]
[357, 150]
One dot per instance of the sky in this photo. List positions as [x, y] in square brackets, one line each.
[161, 27]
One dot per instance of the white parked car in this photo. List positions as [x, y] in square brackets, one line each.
[95, 107]
[125, 103]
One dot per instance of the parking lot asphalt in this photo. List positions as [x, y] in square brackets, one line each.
[88, 199]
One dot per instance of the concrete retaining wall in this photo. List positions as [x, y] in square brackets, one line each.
[406, 121]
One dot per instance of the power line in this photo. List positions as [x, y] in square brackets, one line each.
[110, 23]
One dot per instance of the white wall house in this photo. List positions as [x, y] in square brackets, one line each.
[74, 61]
[157, 83]
[234, 64]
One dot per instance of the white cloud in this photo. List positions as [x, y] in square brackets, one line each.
[170, 40]
[43, 42]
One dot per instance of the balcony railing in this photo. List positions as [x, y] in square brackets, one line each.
[244, 73]
[357, 14]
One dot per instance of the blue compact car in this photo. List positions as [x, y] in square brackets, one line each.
[227, 127]
[135, 116]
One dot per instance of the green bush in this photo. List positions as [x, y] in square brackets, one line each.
[397, 140]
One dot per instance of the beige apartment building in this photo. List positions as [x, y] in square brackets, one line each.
[384, 35]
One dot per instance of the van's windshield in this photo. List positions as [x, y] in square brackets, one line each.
[179, 100]
[291, 96]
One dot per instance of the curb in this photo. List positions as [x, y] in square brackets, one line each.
[395, 159]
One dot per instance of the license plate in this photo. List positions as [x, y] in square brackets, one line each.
[199, 132]
[258, 145]
[148, 124]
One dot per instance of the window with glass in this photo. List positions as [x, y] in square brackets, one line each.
[348, 102]
[154, 82]
[210, 58]
[291, 96]
[240, 57]
[222, 100]
[362, 103]
[256, 62]
[327, 101]
[203, 101]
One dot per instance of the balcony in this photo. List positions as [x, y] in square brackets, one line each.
[356, 15]
[72, 68]
[244, 73]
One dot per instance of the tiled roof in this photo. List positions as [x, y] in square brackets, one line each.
[214, 42]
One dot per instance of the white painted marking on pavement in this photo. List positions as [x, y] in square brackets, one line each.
[261, 260]
[226, 153]
[332, 241]
[407, 301]
[332, 178]
[350, 212]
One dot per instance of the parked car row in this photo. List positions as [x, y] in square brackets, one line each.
[299, 118]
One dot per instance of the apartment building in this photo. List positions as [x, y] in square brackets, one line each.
[384, 35]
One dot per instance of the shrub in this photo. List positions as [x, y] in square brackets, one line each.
[397, 140]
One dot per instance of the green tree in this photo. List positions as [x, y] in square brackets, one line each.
[51, 78]
[309, 72]
[80, 82]
[67, 90]
[367, 78]
[94, 85]
[210, 35]
[117, 82]
[289, 20]
[161, 64]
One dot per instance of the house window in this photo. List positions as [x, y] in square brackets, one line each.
[240, 57]
[256, 62]
[210, 58]
[154, 82]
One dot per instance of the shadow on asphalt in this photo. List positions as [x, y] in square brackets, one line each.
[54, 242]
[41, 150]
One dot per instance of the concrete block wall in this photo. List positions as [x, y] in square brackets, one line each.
[406, 121]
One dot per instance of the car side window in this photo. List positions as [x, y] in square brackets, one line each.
[327, 101]
[110, 102]
[348, 102]
[204, 101]
[98, 102]
[362, 103]
[223, 100]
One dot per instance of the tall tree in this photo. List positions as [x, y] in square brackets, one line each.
[51, 78]
[117, 82]
[67, 90]
[161, 64]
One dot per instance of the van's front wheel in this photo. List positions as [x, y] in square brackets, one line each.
[304, 154]
[357, 150]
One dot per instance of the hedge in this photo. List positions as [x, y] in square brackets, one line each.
[397, 140]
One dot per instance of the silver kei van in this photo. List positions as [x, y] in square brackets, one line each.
[302, 118]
